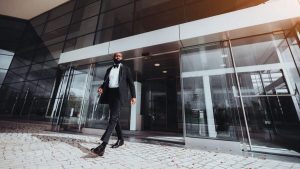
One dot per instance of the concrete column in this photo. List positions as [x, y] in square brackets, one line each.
[209, 108]
[135, 114]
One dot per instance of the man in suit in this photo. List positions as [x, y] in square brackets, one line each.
[114, 91]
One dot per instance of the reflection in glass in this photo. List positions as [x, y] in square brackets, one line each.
[83, 27]
[212, 108]
[257, 50]
[206, 57]
[62, 9]
[111, 4]
[87, 11]
[58, 23]
[116, 17]
[98, 114]
[269, 91]
[268, 82]
[79, 42]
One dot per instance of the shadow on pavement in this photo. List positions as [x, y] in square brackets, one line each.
[71, 141]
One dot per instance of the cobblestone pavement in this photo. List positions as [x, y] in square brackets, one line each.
[23, 146]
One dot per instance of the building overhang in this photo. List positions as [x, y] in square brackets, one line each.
[27, 9]
[273, 16]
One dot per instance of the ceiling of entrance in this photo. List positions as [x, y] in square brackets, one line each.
[27, 9]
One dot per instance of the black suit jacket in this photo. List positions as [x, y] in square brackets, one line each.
[125, 82]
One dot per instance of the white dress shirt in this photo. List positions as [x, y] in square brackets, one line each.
[114, 77]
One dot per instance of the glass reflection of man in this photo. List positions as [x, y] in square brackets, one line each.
[114, 91]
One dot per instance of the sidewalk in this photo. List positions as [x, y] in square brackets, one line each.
[30, 146]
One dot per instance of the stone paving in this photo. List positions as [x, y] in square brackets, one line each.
[25, 146]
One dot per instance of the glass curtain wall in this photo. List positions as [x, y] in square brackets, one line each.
[244, 89]
[158, 88]
[211, 107]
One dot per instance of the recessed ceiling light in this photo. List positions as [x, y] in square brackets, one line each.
[165, 71]
[156, 64]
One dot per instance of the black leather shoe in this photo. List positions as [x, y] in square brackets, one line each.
[99, 150]
[118, 144]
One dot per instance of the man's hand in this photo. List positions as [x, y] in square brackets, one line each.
[100, 90]
[133, 100]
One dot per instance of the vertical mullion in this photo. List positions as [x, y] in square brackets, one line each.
[69, 26]
[95, 36]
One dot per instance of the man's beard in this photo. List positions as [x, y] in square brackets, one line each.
[117, 61]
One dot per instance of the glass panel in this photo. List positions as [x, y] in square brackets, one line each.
[114, 33]
[271, 106]
[39, 19]
[48, 53]
[165, 19]
[212, 108]
[88, 11]
[257, 50]
[62, 9]
[290, 61]
[161, 92]
[43, 70]
[195, 9]
[267, 82]
[10, 92]
[146, 7]
[38, 109]
[74, 108]
[19, 74]
[85, 2]
[294, 47]
[83, 27]
[98, 114]
[116, 17]
[5, 61]
[194, 108]
[110, 4]
[44, 88]
[80, 42]
[39, 29]
[206, 57]
[54, 51]
[58, 23]
[2, 75]
[54, 37]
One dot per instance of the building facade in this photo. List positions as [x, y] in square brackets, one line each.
[220, 75]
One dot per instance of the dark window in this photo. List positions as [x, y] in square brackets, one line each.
[88, 11]
[44, 88]
[39, 29]
[79, 42]
[85, 2]
[168, 18]
[48, 53]
[18, 74]
[39, 19]
[43, 70]
[58, 23]
[22, 59]
[111, 4]
[146, 7]
[116, 17]
[83, 27]
[65, 8]
[114, 33]
[55, 36]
